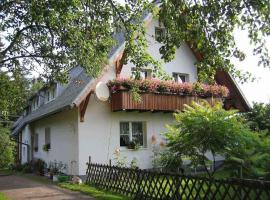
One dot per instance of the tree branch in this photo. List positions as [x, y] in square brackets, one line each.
[24, 56]
[17, 35]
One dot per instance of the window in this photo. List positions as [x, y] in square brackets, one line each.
[50, 94]
[142, 74]
[160, 34]
[132, 131]
[36, 142]
[48, 137]
[24, 152]
[180, 78]
[35, 103]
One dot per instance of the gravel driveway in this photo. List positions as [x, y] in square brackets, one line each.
[21, 188]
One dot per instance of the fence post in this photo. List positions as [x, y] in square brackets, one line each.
[110, 162]
[89, 160]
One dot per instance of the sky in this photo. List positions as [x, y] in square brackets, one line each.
[259, 90]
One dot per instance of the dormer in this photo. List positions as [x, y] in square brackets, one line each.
[50, 93]
[35, 103]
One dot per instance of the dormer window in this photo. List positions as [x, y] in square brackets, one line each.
[142, 74]
[35, 103]
[160, 34]
[180, 78]
[50, 94]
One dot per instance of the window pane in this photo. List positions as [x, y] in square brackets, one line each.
[159, 34]
[124, 133]
[137, 132]
[183, 78]
[36, 142]
[48, 136]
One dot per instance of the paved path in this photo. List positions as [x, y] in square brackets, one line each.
[22, 188]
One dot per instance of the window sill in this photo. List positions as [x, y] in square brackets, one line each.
[123, 149]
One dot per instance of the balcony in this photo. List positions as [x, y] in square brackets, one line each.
[161, 96]
[123, 100]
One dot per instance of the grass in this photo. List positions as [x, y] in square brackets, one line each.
[93, 192]
[2, 196]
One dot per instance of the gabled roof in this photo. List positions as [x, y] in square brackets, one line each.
[64, 101]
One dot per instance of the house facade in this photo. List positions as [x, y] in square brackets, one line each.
[68, 123]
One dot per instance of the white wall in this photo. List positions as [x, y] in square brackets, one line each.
[99, 135]
[26, 138]
[64, 139]
[184, 61]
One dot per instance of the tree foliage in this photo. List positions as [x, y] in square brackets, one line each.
[14, 92]
[209, 26]
[6, 147]
[204, 131]
[57, 35]
[259, 117]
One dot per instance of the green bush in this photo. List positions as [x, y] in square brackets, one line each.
[63, 179]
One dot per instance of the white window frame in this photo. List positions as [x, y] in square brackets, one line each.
[35, 103]
[130, 132]
[51, 93]
[144, 71]
[178, 76]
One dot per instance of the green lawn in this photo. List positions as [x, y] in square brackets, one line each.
[3, 197]
[93, 192]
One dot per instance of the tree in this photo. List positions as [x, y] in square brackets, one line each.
[57, 35]
[6, 147]
[205, 129]
[14, 92]
[259, 117]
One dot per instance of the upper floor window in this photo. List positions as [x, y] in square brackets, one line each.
[50, 93]
[132, 131]
[142, 74]
[160, 34]
[35, 103]
[180, 78]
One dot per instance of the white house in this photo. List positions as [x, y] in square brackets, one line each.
[73, 124]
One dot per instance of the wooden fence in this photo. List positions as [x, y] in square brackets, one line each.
[142, 184]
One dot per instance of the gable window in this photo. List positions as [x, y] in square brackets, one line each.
[142, 74]
[36, 142]
[132, 131]
[48, 137]
[160, 34]
[50, 94]
[180, 78]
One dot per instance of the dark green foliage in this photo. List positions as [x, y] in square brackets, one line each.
[208, 26]
[259, 117]
[6, 148]
[62, 179]
[57, 35]
[203, 128]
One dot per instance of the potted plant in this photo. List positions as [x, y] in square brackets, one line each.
[133, 144]
[46, 147]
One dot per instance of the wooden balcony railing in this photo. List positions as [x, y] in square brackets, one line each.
[122, 100]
